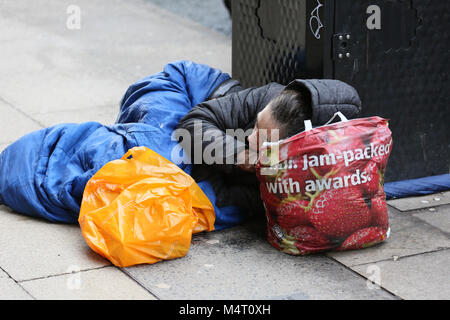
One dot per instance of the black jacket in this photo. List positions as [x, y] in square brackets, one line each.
[232, 107]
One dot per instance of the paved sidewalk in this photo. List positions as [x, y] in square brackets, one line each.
[51, 75]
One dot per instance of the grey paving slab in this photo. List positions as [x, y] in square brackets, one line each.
[439, 217]
[3, 274]
[105, 115]
[34, 248]
[415, 203]
[423, 276]
[210, 13]
[409, 235]
[10, 290]
[47, 67]
[238, 263]
[107, 283]
[14, 124]
[51, 85]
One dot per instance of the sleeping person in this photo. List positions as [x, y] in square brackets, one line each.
[44, 173]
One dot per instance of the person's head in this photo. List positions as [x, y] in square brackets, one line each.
[282, 118]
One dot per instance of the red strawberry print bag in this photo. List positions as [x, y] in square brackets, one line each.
[323, 188]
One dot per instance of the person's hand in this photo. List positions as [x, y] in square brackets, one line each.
[246, 161]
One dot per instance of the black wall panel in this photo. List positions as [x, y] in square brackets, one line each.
[394, 52]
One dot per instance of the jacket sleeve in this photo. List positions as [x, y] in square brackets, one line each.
[238, 189]
[205, 126]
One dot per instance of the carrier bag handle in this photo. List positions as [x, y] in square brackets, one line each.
[309, 126]
[337, 114]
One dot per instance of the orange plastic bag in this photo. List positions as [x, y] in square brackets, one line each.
[143, 209]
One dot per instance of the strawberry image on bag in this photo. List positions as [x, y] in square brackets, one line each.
[323, 188]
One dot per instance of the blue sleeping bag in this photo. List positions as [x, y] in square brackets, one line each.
[44, 173]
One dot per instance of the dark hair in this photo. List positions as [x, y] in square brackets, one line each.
[290, 109]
